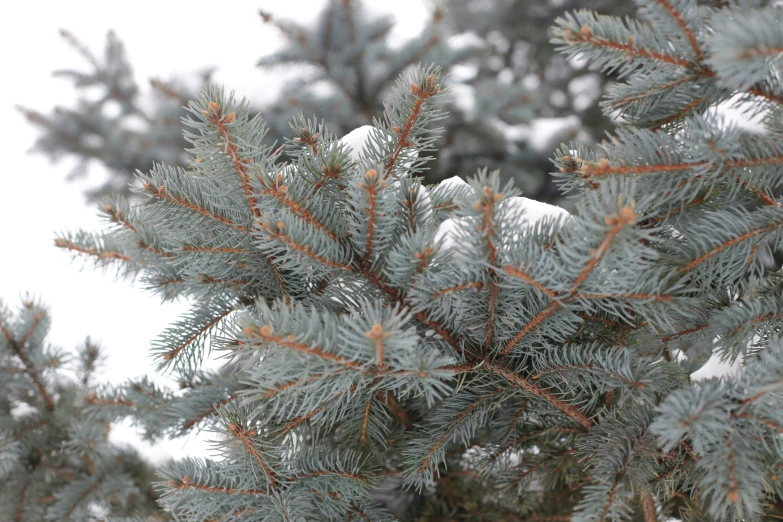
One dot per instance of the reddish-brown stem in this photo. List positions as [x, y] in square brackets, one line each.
[18, 348]
[726, 244]
[162, 193]
[443, 438]
[515, 378]
[175, 351]
[101, 254]
[244, 436]
[366, 420]
[186, 483]
[81, 499]
[20, 507]
[298, 209]
[398, 411]
[201, 416]
[290, 342]
[372, 194]
[688, 33]
[305, 249]
[239, 163]
[456, 288]
[533, 323]
[520, 274]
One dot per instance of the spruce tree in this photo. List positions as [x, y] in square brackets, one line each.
[56, 460]
[438, 353]
[346, 65]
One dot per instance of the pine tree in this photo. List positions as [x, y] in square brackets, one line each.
[437, 353]
[56, 460]
[347, 65]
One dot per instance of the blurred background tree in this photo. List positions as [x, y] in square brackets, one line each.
[513, 98]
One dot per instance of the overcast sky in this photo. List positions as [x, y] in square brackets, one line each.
[163, 39]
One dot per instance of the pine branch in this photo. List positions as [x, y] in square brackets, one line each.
[100, 254]
[687, 32]
[427, 90]
[161, 193]
[245, 437]
[624, 217]
[726, 244]
[18, 347]
[265, 334]
[515, 378]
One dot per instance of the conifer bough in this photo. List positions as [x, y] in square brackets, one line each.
[512, 372]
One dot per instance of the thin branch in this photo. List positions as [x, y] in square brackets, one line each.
[240, 164]
[688, 33]
[290, 342]
[520, 274]
[515, 378]
[186, 483]
[18, 349]
[101, 254]
[201, 416]
[429, 89]
[244, 436]
[175, 351]
[162, 193]
[726, 244]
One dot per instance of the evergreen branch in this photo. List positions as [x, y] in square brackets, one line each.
[82, 497]
[161, 193]
[624, 217]
[456, 288]
[683, 332]
[315, 58]
[280, 194]
[196, 335]
[365, 421]
[758, 91]
[679, 114]
[185, 483]
[116, 401]
[330, 472]
[18, 348]
[371, 187]
[520, 274]
[651, 297]
[610, 498]
[201, 416]
[396, 410]
[240, 164]
[486, 204]
[586, 36]
[299, 420]
[219, 250]
[100, 254]
[430, 88]
[540, 317]
[377, 335]
[450, 431]
[303, 249]
[688, 34]
[760, 194]
[726, 244]
[422, 317]
[290, 342]
[20, 506]
[604, 168]
[534, 389]
[244, 437]
[733, 496]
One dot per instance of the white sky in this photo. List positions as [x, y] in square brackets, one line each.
[163, 39]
